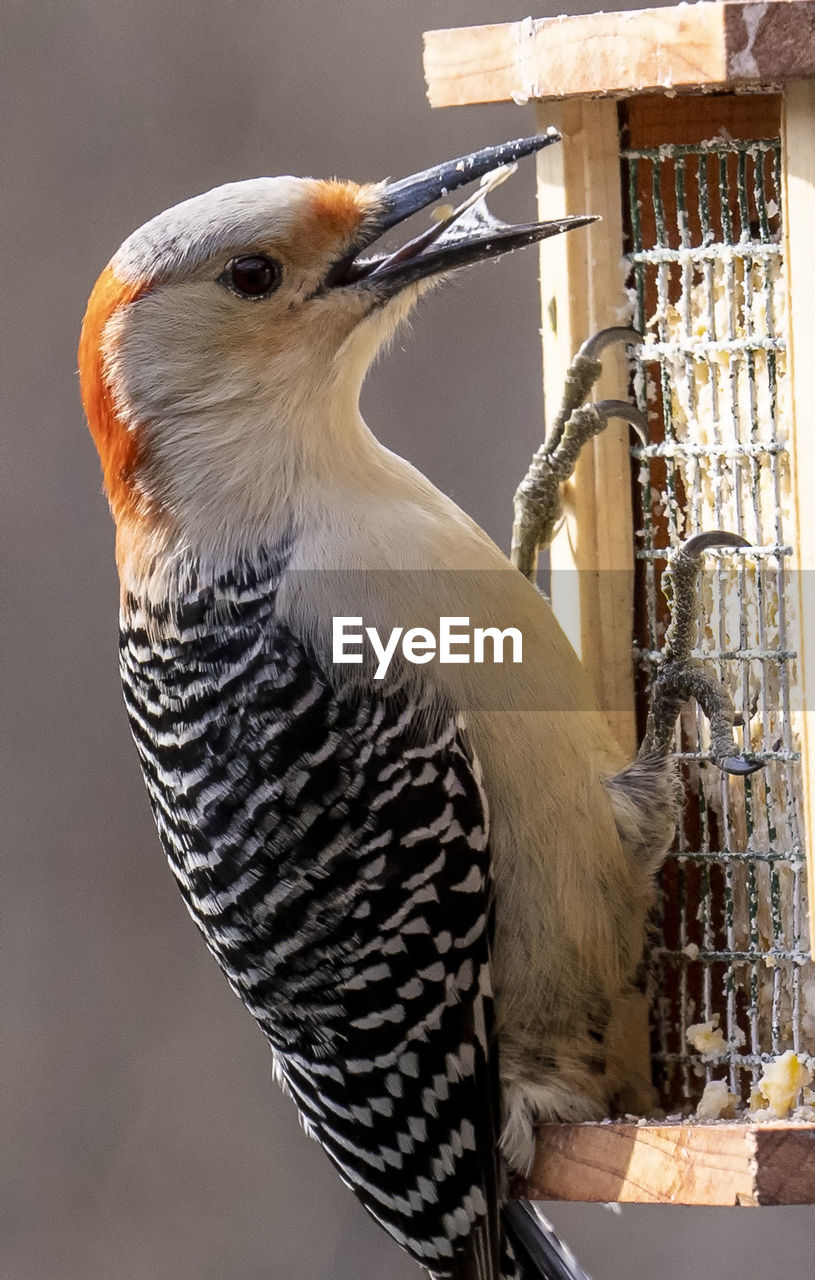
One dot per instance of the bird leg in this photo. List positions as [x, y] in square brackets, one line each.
[538, 504]
[538, 509]
[681, 676]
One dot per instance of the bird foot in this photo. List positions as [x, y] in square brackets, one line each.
[680, 676]
[538, 506]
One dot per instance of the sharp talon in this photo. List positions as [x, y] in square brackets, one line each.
[594, 346]
[739, 766]
[628, 412]
[699, 542]
[681, 676]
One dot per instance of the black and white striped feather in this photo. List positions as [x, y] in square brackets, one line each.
[332, 849]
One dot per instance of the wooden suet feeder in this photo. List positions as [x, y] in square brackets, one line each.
[691, 131]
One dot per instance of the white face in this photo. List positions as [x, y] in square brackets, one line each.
[230, 392]
[225, 345]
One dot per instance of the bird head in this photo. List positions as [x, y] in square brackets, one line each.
[224, 345]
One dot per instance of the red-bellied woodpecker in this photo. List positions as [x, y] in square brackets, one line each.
[428, 885]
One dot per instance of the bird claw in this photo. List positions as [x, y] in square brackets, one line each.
[739, 766]
[681, 676]
[594, 346]
[537, 498]
[607, 409]
[538, 509]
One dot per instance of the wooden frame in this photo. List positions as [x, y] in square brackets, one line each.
[700, 46]
[577, 300]
[726, 1163]
[799, 151]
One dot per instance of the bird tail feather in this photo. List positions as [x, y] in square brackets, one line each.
[539, 1253]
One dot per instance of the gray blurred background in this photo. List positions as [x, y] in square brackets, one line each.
[144, 1137]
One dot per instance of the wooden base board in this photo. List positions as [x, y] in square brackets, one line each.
[724, 1163]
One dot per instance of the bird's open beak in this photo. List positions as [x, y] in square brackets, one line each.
[460, 236]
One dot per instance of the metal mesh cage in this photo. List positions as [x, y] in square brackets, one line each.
[707, 289]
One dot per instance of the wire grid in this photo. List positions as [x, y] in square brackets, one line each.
[708, 295]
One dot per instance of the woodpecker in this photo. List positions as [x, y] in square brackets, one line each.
[430, 897]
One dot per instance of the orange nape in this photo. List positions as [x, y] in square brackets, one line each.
[118, 447]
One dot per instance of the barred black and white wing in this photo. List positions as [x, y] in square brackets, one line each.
[333, 851]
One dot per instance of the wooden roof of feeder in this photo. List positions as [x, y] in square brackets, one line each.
[689, 46]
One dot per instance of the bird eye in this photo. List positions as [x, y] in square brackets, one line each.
[252, 276]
